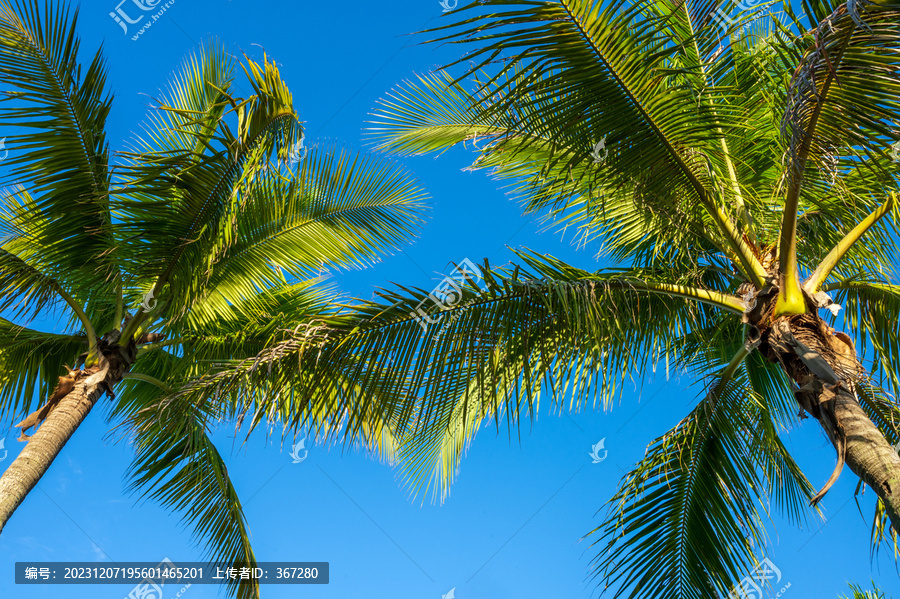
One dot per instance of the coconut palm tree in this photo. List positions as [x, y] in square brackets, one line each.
[201, 243]
[739, 173]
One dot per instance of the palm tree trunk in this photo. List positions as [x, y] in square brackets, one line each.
[824, 364]
[42, 448]
[868, 454]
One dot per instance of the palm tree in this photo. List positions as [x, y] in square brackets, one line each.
[740, 181]
[200, 244]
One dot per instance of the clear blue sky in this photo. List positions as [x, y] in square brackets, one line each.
[512, 526]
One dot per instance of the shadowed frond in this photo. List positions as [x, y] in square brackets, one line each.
[25, 289]
[843, 95]
[844, 92]
[178, 466]
[30, 364]
[691, 516]
[176, 462]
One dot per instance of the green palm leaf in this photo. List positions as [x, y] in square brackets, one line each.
[176, 463]
[61, 156]
[183, 192]
[31, 361]
[700, 178]
[206, 223]
[178, 466]
[338, 210]
[437, 112]
[860, 593]
[593, 56]
[832, 104]
[492, 353]
[690, 516]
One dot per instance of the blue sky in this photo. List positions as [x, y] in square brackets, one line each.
[513, 525]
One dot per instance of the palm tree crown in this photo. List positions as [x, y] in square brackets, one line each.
[729, 176]
[200, 245]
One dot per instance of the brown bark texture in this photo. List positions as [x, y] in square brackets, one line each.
[63, 413]
[824, 365]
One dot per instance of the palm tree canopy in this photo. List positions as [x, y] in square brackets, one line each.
[202, 243]
[709, 166]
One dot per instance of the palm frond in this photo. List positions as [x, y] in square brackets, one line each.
[61, 156]
[30, 364]
[860, 593]
[627, 73]
[178, 465]
[508, 335]
[338, 210]
[437, 112]
[844, 91]
[185, 187]
[24, 288]
[690, 516]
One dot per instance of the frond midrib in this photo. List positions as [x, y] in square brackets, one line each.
[72, 114]
[305, 222]
[698, 186]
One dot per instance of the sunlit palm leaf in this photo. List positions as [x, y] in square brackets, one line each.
[630, 73]
[859, 593]
[338, 210]
[436, 113]
[182, 196]
[59, 152]
[202, 200]
[489, 354]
